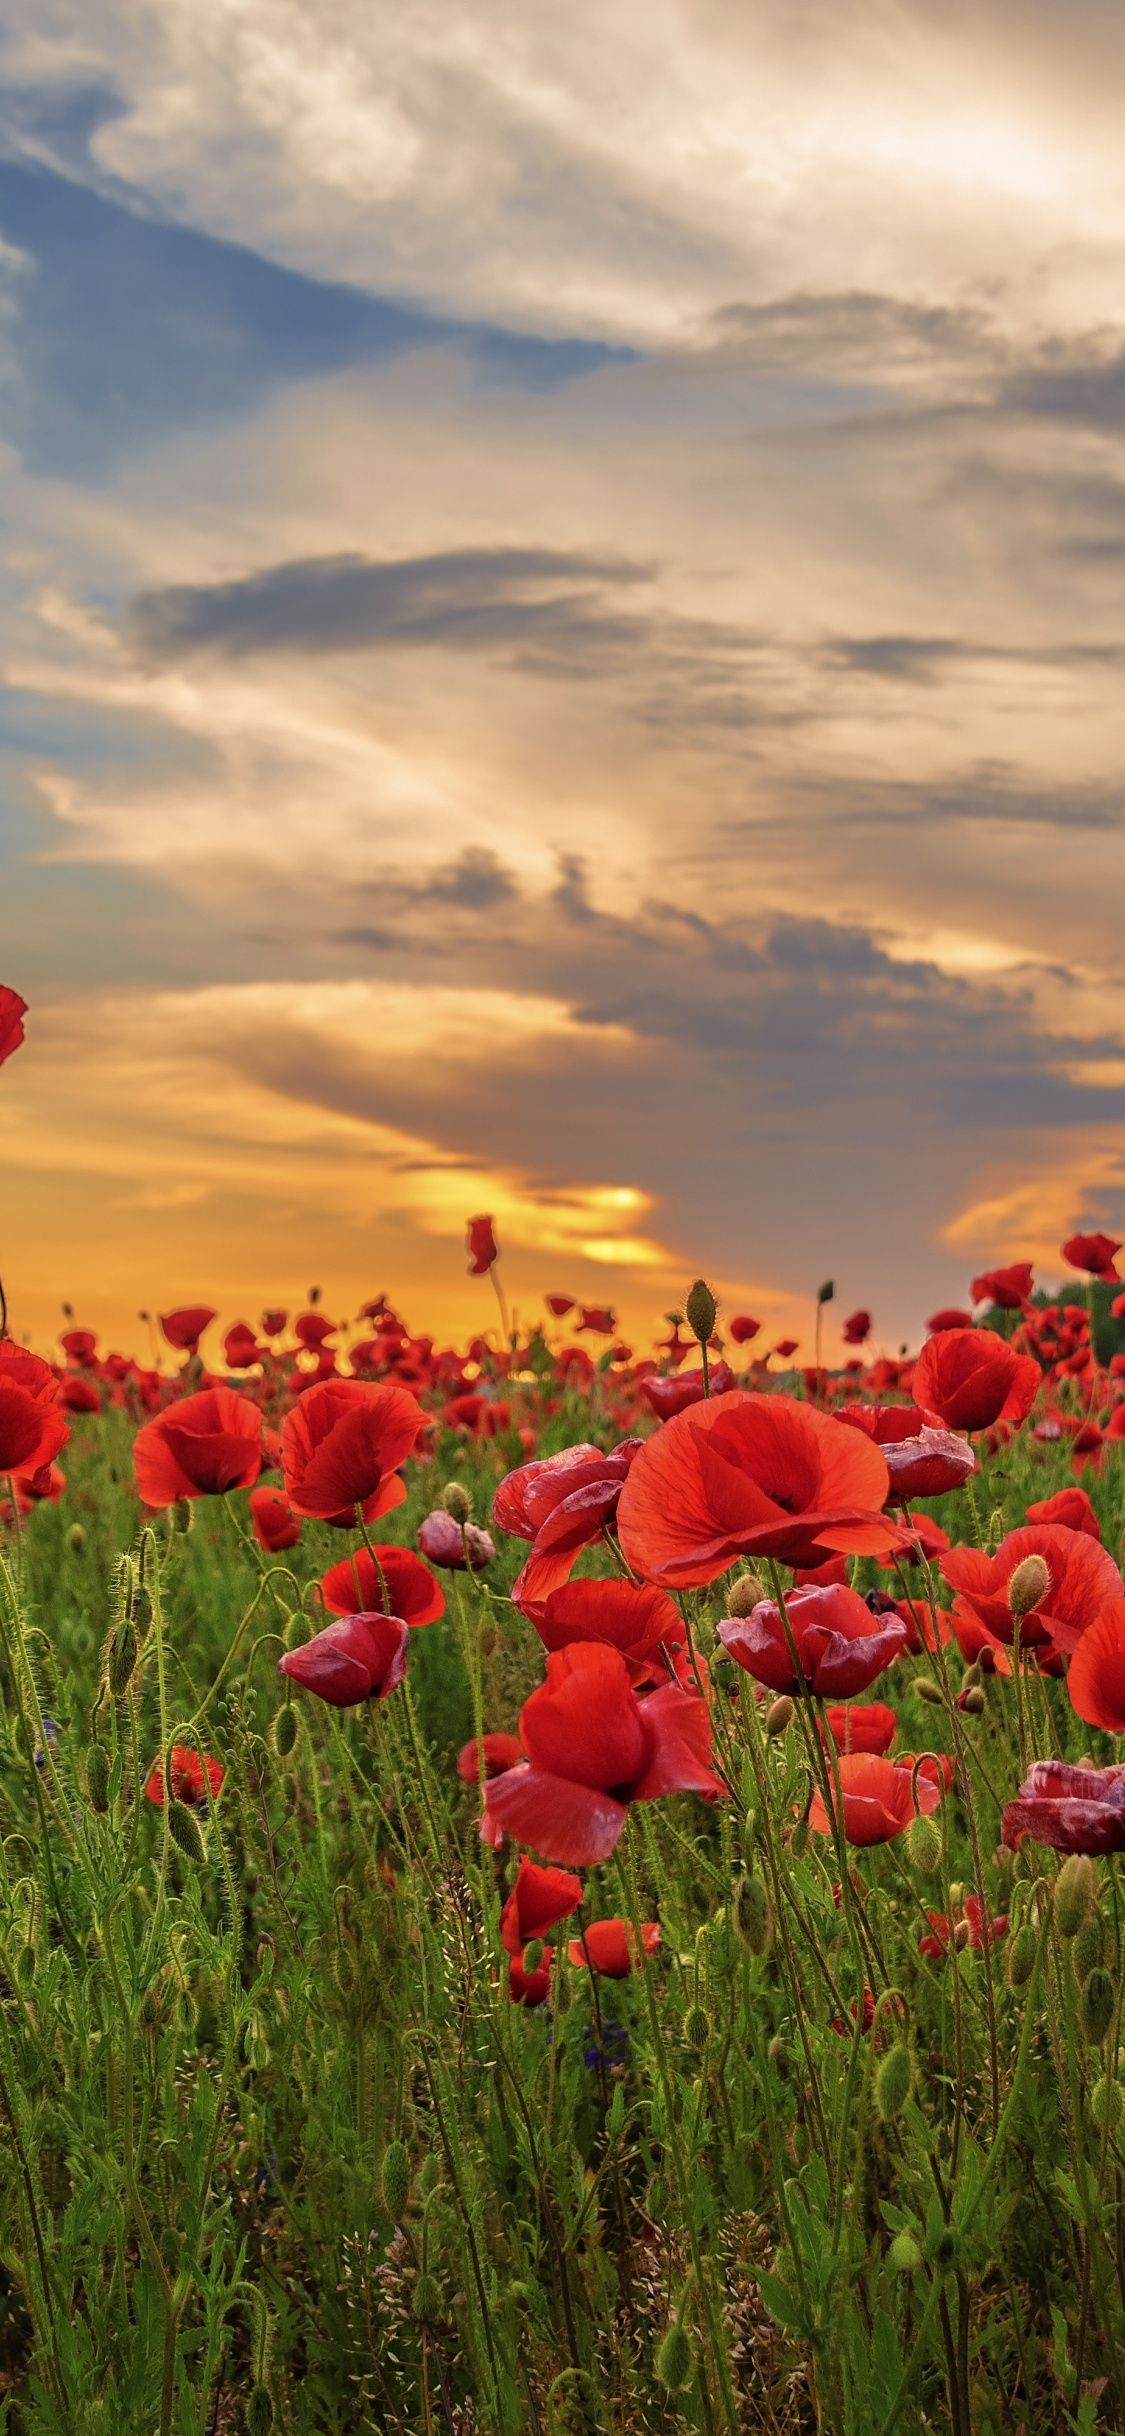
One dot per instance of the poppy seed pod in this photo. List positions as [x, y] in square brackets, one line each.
[780, 1715]
[700, 1312]
[1096, 2007]
[456, 1501]
[1075, 1891]
[1029, 1583]
[745, 1594]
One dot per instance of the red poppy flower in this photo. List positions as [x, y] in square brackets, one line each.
[940, 1323]
[498, 1752]
[461, 1548]
[530, 1988]
[1095, 1253]
[879, 1799]
[559, 1304]
[273, 1322]
[637, 1619]
[482, 1246]
[341, 1447]
[669, 1396]
[870, 1727]
[32, 1425]
[749, 1475]
[971, 1378]
[360, 1657]
[562, 1503]
[539, 1899]
[80, 1345]
[1083, 1581]
[313, 1329]
[78, 1395]
[857, 1329]
[392, 1581]
[841, 1645]
[1096, 1676]
[1070, 1809]
[274, 1524]
[610, 1947]
[742, 1328]
[240, 1347]
[1008, 1289]
[202, 1447]
[593, 1747]
[183, 1329]
[1071, 1507]
[598, 1318]
[929, 1465]
[786, 1345]
[943, 1931]
[187, 1777]
[13, 1008]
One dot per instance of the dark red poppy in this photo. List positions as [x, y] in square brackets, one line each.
[879, 1799]
[186, 1770]
[203, 1446]
[273, 1323]
[360, 1657]
[593, 1747]
[943, 1931]
[481, 1246]
[183, 1329]
[490, 1757]
[78, 1395]
[635, 1618]
[539, 1899]
[459, 1547]
[971, 1378]
[274, 1524]
[1094, 1253]
[866, 1726]
[559, 1304]
[1070, 1809]
[741, 1329]
[313, 1329]
[1008, 1289]
[562, 1503]
[610, 1947]
[598, 1318]
[240, 1347]
[841, 1645]
[756, 1476]
[32, 1425]
[786, 1345]
[341, 1447]
[1096, 1675]
[857, 1328]
[387, 1580]
[530, 1988]
[1082, 1581]
[80, 1345]
[13, 1008]
[1071, 1507]
[940, 1323]
[669, 1396]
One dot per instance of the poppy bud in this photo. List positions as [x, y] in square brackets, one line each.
[76, 1539]
[893, 2081]
[700, 1312]
[256, 2046]
[752, 1915]
[749, 1837]
[395, 2180]
[1020, 1961]
[776, 2050]
[1106, 2105]
[426, 2305]
[744, 1595]
[121, 1658]
[799, 1840]
[1096, 2008]
[780, 1715]
[962, 1935]
[972, 1702]
[140, 1608]
[533, 1955]
[488, 1639]
[801, 2143]
[904, 2256]
[430, 2175]
[97, 1778]
[697, 2028]
[673, 2360]
[285, 1730]
[1075, 1891]
[1029, 1583]
[186, 1833]
[923, 1844]
[1088, 1950]
[456, 1501]
[259, 2412]
[180, 1516]
[25, 1966]
[928, 1690]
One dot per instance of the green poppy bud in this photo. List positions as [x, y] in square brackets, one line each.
[904, 2256]
[1096, 2007]
[76, 1539]
[259, 2412]
[697, 2028]
[1022, 1950]
[928, 1690]
[395, 2180]
[186, 1832]
[1088, 1949]
[121, 1658]
[1076, 1889]
[700, 1312]
[533, 1955]
[456, 1500]
[752, 1918]
[893, 2082]
[426, 2307]
[673, 2360]
[97, 1778]
[1107, 2106]
[180, 1516]
[923, 1844]
[285, 1730]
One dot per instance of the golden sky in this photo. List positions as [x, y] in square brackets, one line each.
[561, 644]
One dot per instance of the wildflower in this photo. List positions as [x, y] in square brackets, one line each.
[341, 1447]
[482, 1246]
[1081, 1579]
[879, 1799]
[1070, 1507]
[1070, 1809]
[593, 1748]
[490, 1757]
[670, 1396]
[32, 1425]
[635, 1618]
[184, 1328]
[840, 1645]
[539, 1899]
[1094, 1253]
[857, 1328]
[1096, 1676]
[13, 1008]
[272, 1520]
[944, 1932]
[186, 1768]
[204, 1446]
[609, 1947]
[561, 1503]
[530, 1988]
[862, 1727]
[360, 1657]
[971, 1378]
[383, 1579]
[742, 1328]
[460, 1547]
[1006, 1289]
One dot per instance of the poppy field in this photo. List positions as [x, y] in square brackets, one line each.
[561, 1888]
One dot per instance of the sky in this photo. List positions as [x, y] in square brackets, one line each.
[561, 651]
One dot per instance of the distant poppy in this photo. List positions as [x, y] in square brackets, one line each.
[559, 1304]
[384, 1579]
[33, 1427]
[13, 1008]
[609, 1947]
[857, 1328]
[539, 1899]
[460, 1548]
[1094, 1253]
[240, 1347]
[273, 1323]
[940, 1323]
[640, 1621]
[204, 1446]
[673, 1395]
[741, 1329]
[78, 1395]
[1007, 1289]
[341, 1447]
[490, 1757]
[313, 1329]
[530, 1988]
[183, 1329]
[360, 1657]
[943, 1931]
[1096, 1675]
[80, 1345]
[970, 1377]
[862, 1726]
[1069, 1809]
[598, 1318]
[482, 1246]
[1082, 1580]
[186, 1769]
[786, 1345]
[879, 1799]
[1070, 1507]
[562, 1503]
[755, 1476]
[594, 1747]
[272, 1520]
[840, 1644]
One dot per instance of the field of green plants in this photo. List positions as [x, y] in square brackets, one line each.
[546, 1890]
